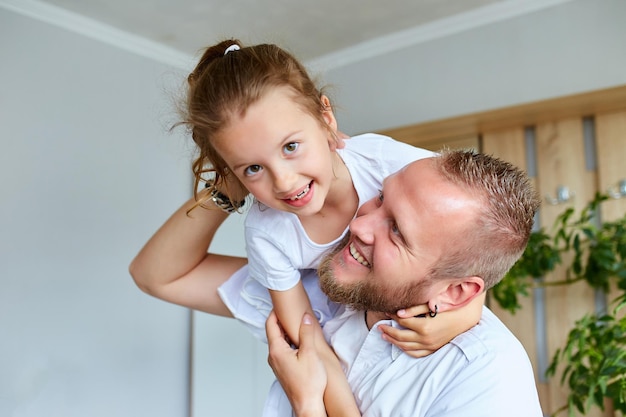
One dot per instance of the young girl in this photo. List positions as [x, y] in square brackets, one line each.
[256, 115]
[263, 127]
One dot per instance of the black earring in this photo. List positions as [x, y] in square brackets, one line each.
[433, 314]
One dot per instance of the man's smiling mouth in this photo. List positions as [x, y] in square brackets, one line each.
[358, 257]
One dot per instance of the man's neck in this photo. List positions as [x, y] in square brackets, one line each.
[373, 317]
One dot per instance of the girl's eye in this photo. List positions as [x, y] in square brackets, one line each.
[381, 198]
[252, 170]
[290, 147]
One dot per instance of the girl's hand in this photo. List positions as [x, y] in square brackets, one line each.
[424, 334]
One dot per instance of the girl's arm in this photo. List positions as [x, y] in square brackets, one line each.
[289, 307]
[425, 334]
[293, 366]
[174, 265]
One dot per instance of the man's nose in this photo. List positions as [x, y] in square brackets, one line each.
[365, 226]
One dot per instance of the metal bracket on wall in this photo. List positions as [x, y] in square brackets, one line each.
[618, 191]
[563, 195]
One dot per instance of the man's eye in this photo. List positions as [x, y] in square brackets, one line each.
[252, 170]
[394, 229]
[290, 147]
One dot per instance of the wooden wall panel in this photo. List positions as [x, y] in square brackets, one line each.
[561, 162]
[510, 145]
[611, 152]
[577, 105]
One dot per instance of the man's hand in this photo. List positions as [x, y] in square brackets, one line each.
[300, 371]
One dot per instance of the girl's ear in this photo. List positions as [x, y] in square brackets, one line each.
[329, 117]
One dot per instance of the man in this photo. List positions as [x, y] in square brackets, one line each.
[443, 231]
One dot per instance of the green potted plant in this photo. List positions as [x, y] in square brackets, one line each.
[595, 362]
[594, 356]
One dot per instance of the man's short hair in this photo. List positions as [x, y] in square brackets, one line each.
[496, 239]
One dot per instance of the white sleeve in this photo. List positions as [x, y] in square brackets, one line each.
[395, 155]
[267, 261]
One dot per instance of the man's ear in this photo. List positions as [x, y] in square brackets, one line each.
[457, 294]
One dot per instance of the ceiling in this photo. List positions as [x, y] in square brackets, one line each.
[309, 29]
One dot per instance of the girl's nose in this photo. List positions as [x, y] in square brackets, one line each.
[284, 181]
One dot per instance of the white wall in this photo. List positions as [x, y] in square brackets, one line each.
[88, 172]
[570, 48]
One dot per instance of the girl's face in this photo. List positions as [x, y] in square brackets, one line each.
[281, 153]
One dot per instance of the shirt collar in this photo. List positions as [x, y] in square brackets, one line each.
[394, 351]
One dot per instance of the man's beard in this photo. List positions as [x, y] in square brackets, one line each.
[367, 294]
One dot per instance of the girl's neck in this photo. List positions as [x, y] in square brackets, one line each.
[339, 207]
[341, 189]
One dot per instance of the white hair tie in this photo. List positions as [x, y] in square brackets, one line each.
[231, 48]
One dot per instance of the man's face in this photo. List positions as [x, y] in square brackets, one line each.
[396, 239]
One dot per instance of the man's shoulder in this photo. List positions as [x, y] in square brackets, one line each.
[483, 371]
[489, 359]
[490, 337]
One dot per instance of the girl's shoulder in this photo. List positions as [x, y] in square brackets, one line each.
[376, 142]
[369, 144]
[383, 149]
[368, 139]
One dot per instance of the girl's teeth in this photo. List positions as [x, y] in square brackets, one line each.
[357, 256]
[301, 194]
